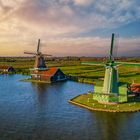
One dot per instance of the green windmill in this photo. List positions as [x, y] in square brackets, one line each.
[112, 90]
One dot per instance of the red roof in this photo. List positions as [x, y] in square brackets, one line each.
[48, 72]
[135, 87]
[4, 67]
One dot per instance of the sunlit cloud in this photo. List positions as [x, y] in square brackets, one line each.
[62, 23]
[83, 2]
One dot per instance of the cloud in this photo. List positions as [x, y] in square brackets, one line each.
[63, 17]
[7, 8]
[28, 20]
[83, 2]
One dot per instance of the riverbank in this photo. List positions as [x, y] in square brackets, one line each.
[86, 101]
[34, 81]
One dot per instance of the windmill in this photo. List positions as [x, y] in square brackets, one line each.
[39, 58]
[112, 90]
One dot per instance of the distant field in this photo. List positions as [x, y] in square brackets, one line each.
[92, 74]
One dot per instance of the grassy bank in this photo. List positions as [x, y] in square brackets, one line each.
[86, 101]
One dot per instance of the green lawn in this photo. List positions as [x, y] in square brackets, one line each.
[88, 102]
[96, 73]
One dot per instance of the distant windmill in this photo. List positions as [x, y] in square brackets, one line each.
[39, 60]
[111, 85]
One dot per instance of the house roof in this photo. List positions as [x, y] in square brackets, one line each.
[137, 85]
[4, 67]
[48, 72]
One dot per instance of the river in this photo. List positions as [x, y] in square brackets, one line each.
[30, 111]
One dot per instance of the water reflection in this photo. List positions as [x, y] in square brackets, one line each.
[40, 91]
[114, 125]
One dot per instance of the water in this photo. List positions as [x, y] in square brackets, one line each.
[41, 112]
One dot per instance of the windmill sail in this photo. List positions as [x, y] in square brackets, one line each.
[26, 52]
[93, 63]
[114, 47]
[127, 63]
[111, 49]
[38, 46]
[39, 60]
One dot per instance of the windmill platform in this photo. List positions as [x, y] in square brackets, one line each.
[120, 97]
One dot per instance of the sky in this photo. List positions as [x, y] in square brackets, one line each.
[69, 27]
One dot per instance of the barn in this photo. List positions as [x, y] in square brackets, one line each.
[6, 68]
[49, 75]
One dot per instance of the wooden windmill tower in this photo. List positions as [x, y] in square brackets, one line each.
[39, 58]
[112, 90]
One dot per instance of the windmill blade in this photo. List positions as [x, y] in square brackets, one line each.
[26, 52]
[111, 48]
[38, 46]
[127, 63]
[116, 46]
[93, 63]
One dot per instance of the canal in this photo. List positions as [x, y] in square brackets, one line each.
[30, 111]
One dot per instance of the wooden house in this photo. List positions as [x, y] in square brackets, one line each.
[41, 72]
[49, 75]
[6, 68]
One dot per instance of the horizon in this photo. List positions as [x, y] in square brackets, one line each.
[69, 27]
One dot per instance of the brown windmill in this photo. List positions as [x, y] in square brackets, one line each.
[39, 58]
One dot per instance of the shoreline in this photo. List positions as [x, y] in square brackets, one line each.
[104, 107]
[34, 81]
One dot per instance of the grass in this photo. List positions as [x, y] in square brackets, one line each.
[86, 101]
[87, 74]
